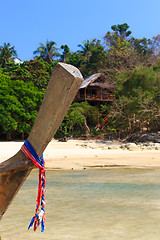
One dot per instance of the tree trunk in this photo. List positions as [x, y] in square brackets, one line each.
[9, 136]
[86, 128]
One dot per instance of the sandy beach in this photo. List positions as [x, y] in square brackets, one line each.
[79, 154]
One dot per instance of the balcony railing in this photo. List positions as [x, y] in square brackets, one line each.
[91, 97]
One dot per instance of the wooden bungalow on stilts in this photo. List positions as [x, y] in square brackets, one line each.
[95, 89]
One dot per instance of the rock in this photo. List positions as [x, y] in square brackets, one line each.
[153, 146]
[150, 137]
[157, 145]
[123, 146]
[84, 145]
[105, 148]
[145, 137]
[157, 148]
[113, 147]
[150, 148]
[132, 147]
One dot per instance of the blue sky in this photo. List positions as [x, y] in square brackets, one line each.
[26, 23]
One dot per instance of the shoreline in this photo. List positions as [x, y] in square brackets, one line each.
[91, 154]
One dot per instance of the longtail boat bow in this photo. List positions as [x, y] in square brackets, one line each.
[64, 82]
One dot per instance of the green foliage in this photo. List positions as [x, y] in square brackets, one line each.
[119, 33]
[65, 54]
[96, 60]
[90, 59]
[137, 104]
[131, 64]
[121, 29]
[142, 79]
[127, 53]
[36, 71]
[143, 48]
[86, 48]
[47, 51]
[19, 105]
[75, 59]
[122, 55]
[156, 67]
[7, 54]
[74, 122]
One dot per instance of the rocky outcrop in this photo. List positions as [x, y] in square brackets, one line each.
[140, 146]
[145, 137]
[113, 147]
[132, 147]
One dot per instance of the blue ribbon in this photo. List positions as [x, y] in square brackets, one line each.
[33, 152]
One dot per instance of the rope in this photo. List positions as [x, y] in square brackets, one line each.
[39, 217]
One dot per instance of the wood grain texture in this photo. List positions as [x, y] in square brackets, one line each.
[62, 87]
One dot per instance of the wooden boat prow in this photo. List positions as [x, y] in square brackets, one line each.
[62, 87]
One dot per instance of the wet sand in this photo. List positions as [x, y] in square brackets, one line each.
[79, 154]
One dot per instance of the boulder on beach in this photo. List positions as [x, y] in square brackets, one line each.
[113, 147]
[132, 147]
[150, 146]
[144, 137]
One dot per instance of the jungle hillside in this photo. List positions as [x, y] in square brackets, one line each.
[130, 65]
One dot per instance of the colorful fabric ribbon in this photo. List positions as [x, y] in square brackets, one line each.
[39, 218]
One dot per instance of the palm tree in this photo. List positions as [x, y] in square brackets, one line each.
[86, 48]
[7, 54]
[47, 51]
[66, 52]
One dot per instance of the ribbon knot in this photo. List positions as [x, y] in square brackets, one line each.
[39, 217]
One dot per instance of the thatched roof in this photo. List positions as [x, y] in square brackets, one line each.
[101, 83]
[90, 79]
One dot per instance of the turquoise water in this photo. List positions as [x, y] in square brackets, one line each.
[110, 204]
